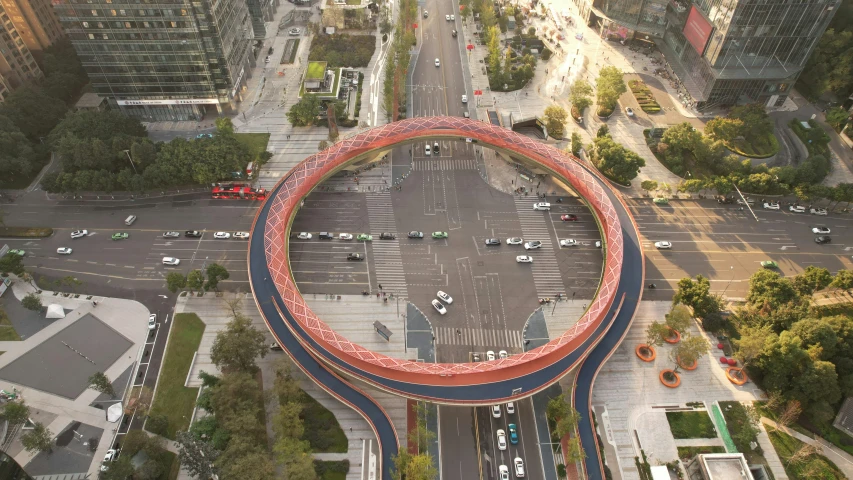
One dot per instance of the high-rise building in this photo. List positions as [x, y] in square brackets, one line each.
[262, 11]
[162, 60]
[725, 52]
[17, 64]
[35, 21]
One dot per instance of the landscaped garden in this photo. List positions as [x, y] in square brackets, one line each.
[742, 423]
[696, 424]
[644, 96]
[609, 87]
[342, 50]
[802, 462]
[686, 453]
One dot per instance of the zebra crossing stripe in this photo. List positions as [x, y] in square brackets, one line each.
[480, 337]
[546, 274]
[425, 164]
[387, 260]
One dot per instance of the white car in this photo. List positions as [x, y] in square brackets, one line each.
[524, 259]
[569, 242]
[533, 245]
[818, 211]
[439, 307]
[222, 235]
[821, 230]
[453, 18]
[345, 236]
[152, 321]
[171, 261]
[464, 98]
[444, 297]
[304, 236]
[519, 467]
[496, 411]
[447, 17]
[437, 63]
[241, 235]
[797, 209]
[171, 234]
[771, 206]
[502, 354]
[542, 206]
[510, 408]
[293, 32]
[490, 355]
[501, 439]
[79, 233]
[63, 251]
[504, 472]
[514, 241]
[629, 111]
[663, 245]
[427, 150]
[109, 457]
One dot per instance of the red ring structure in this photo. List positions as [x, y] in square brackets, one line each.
[312, 171]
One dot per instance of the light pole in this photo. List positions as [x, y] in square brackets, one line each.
[732, 269]
[131, 161]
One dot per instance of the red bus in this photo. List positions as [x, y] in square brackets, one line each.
[238, 191]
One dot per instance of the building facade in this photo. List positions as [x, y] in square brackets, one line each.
[262, 11]
[163, 60]
[35, 21]
[17, 64]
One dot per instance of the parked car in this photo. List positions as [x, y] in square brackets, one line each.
[797, 209]
[293, 32]
[510, 408]
[111, 455]
[750, 201]
[818, 211]
[629, 111]
[501, 439]
[79, 233]
[496, 411]
[222, 235]
[17, 252]
[771, 206]
[464, 98]
[490, 355]
[502, 354]
[304, 236]
[437, 63]
[447, 17]
[152, 321]
[439, 307]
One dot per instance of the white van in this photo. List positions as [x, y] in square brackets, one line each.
[129, 220]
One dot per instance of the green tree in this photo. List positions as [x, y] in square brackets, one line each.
[555, 120]
[577, 144]
[830, 68]
[812, 279]
[610, 87]
[101, 383]
[120, 469]
[158, 424]
[39, 439]
[756, 122]
[215, 274]
[196, 456]
[238, 345]
[579, 95]
[576, 452]
[175, 281]
[16, 412]
[32, 302]
[725, 129]
[413, 467]
[33, 111]
[843, 279]
[11, 263]
[224, 126]
[770, 288]
[614, 160]
[689, 350]
[304, 112]
[697, 295]
[195, 280]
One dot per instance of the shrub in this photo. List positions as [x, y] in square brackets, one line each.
[342, 50]
[157, 424]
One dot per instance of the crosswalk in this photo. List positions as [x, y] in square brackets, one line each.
[534, 226]
[386, 253]
[444, 164]
[480, 337]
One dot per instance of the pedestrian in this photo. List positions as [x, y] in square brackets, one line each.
[380, 286]
[377, 294]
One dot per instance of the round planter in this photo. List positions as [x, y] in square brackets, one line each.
[692, 367]
[736, 375]
[675, 338]
[671, 384]
[652, 354]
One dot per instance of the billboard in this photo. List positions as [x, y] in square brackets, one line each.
[697, 30]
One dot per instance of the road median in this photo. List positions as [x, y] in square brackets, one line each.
[25, 232]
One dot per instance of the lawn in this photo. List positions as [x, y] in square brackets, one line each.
[342, 50]
[322, 430]
[7, 331]
[331, 470]
[757, 148]
[257, 144]
[316, 71]
[691, 425]
[174, 466]
[815, 466]
[826, 431]
[735, 416]
[686, 453]
[172, 399]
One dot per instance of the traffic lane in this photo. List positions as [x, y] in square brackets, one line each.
[458, 443]
[527, 447]
[451, 60]
[332, 212]
[321, 266]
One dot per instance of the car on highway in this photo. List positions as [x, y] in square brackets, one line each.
[524, 259]
[437, 63]
[304, 236]
[17, 252]
[355, 256]
[453, 33]
[120, 236]
[661, 200]
[821, 230]
[496, 411]
[387, 236]
[172, 261]
[769, 264]
[510, 408]
[542, 206]
[171, 234]
[415, 234]
[501, 439]
[63, 251]
[663, 245]
[771, 206]
[493, 241]
[503, 472]
[439, 234]
[192, 234]
[293, 32]
[569, 242]
[519, 467]
[629, 111]
[439, 307]
[513, 433]
[569, 218]
[79, 233]
[464, 98]
[818, 211]
[533, 245]
[502, 354]
[111, 455]
[514, 241]
[326, 236]
[447, 17]
[363, 237]
[822, 239]
[490, 355]
[222, 235]
[345, 236]
[750, 201]
[444, 297]
[241, 235]
[797, 209]
[152, 321]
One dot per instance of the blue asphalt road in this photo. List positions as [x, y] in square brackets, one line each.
[629, 287]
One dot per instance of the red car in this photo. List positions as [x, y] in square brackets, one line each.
[569, 218]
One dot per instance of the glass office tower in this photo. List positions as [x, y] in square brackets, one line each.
[163, 60]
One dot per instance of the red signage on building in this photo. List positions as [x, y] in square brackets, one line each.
[697, 30]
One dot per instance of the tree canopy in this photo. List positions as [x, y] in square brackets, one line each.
[610, 86]
[614, 160]
[238, 345]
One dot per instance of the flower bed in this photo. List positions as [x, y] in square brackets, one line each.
[644, 96]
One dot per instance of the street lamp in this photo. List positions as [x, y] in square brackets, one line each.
[131, 161]
[732, 269]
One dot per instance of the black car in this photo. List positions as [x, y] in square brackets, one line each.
[493, 241]
[822, 239]
[387, 236]
[355, 256]
[453, 32]
[415, 234]
[435, 148]
[192, 234]
[325, 236]
[725, 200]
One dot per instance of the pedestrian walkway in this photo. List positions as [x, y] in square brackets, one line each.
[481, 337]
[546, 272]
[387, 260]
[444, 164]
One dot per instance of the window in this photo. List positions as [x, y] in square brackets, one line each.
[85, 24]
[91, 36]
[94, 13]
[113, 12]
[127, 25]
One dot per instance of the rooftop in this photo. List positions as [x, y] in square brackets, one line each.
[316, 71]
[726, 466]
